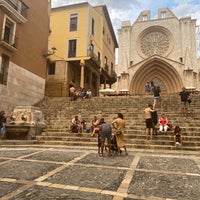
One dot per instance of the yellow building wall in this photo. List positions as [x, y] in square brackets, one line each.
[60, 19]
[107, 42]
[97, 38]
[109, 48]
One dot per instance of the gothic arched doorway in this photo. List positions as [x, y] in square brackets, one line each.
[158, 71]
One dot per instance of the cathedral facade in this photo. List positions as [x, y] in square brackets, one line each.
[161, 50]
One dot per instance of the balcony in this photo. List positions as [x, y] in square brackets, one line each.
[108, 78]
[94, 58]
[17, 11]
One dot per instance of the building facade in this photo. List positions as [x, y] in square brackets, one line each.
[24, 30]
[85, 45]
[161, 50]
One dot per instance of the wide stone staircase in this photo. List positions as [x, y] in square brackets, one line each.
[60, 111]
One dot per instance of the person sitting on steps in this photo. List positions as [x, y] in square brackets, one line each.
[94, 126]
[76, 126]
[178, 137]
[3, 120]
[163, 121]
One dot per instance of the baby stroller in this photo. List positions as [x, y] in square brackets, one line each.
[114, 145]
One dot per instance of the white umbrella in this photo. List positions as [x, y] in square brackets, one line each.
[108, 91]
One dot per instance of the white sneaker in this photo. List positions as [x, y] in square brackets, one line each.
[177, 144]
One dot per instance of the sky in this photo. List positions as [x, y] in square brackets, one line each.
[123, 10]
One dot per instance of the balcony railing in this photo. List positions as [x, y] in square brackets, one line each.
[94, 57]
[20, 7]
[17, 10]
[110, 78]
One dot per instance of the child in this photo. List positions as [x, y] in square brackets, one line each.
[99, 142]
[178, 138]
[99, 139]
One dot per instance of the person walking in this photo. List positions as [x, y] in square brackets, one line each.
[184, 95]
[119, 126]
[157, 97]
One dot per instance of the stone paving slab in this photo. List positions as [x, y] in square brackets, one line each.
[6, 187]
[92, 158]
[25, 170]
[39, 193]
[13, 153]
[66, 173]
[91, 177]
[171, 186]
[57, 156]
[168, 164]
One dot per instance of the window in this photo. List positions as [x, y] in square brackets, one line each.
[99, 56]
[72, 48]
[91, 49]
[105, 64]
[73, 22]
[163, 15]
[92, 26]
[4, 69]
[9, 32]
[112, 67]
[105, 60]
[52, 68]
[144, 17]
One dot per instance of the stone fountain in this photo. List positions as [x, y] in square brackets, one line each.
[26, 122]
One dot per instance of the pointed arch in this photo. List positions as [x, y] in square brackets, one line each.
[159, 70]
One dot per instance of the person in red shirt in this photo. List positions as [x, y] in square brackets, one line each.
[163, 121]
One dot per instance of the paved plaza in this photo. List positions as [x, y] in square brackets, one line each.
[59, 173]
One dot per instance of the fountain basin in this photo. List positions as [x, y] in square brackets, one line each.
[26, 123]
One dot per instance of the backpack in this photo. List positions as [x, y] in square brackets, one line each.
[106, 128]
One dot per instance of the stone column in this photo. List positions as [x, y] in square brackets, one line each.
[82, 64]
[124, 81]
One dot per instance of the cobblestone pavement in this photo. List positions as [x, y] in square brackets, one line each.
[61, 173]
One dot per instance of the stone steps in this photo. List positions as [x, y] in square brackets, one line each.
[130, 135]
[59, 112]
[167, 140]
[148, 145]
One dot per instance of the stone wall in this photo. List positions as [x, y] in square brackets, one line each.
[161, 50]
[23, 88]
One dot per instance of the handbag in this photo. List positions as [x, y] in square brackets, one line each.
[118, 132]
